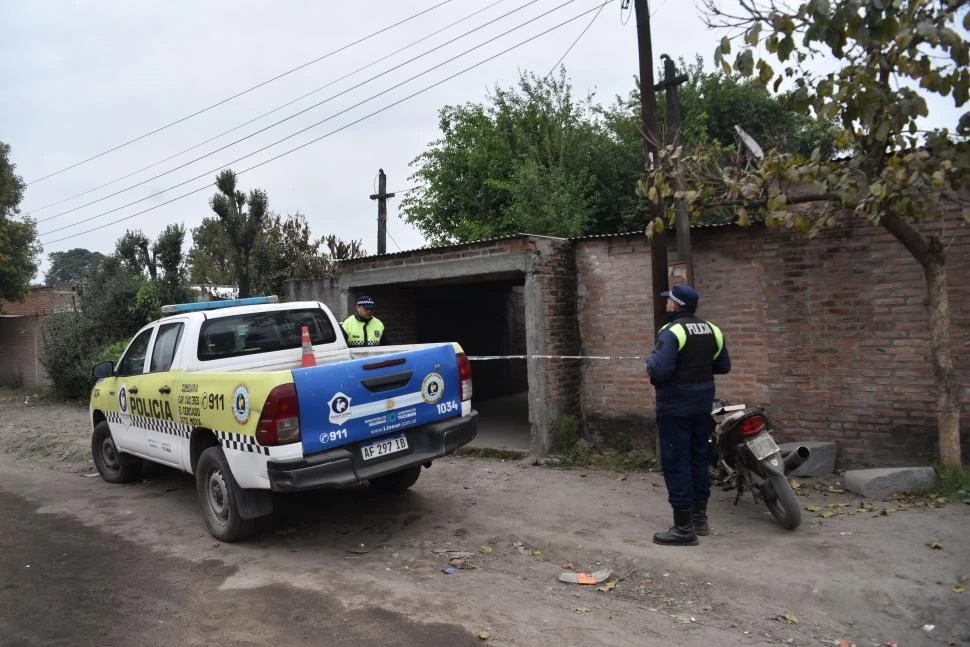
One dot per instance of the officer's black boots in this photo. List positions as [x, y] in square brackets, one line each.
[699, 518]
[682, 532]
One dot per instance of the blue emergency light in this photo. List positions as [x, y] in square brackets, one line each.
[213, 305]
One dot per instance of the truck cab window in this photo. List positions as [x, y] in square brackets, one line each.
[133, 361]
[166, 343]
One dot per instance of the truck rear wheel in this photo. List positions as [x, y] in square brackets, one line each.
[114, 466]
[219, 497]
[397, 481]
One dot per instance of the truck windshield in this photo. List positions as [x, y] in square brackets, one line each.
[262, 332]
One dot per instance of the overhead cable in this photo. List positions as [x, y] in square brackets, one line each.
[311, 107]
[294, 134]
[208, 185]
[265, 114]
[238, 94]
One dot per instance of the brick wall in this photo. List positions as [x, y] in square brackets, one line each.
[551, 329]
[829, 333]
[614, 311]
[20, 339]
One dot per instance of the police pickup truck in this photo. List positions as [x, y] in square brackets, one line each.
[253, 396]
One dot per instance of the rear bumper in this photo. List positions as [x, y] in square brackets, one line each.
[343, 466]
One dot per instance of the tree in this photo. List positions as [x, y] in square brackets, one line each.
[108, 312]
[532, 159]
[285, 250]
[712, 103]
[210, 257]
[241, 226]
[18, 239]
[890, 172]
[72, 266]
[132, 249]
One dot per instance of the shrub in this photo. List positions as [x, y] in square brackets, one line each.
[112, 351]
[68, 352]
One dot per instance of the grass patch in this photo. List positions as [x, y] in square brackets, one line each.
[571, 451]
[494, 454]
[952, 482]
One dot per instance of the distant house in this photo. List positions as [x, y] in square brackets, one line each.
[20, 334]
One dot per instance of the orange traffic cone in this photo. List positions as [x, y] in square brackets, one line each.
[308, 358]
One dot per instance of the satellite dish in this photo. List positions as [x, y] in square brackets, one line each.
[750, 143]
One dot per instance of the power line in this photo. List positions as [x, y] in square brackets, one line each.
[569, 49]
[266, 114]
[238, 94]
[292, 135]
[208, 186]
[315, 105]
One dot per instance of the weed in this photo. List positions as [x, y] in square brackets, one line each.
[622, 445]
[953, 482]
[495, 454]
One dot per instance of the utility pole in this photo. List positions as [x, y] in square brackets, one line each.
[381, 196]
[648, 116]
[682, 217]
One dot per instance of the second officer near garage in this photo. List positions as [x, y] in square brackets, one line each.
[362, 328]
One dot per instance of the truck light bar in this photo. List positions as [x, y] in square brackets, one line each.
[213, 305]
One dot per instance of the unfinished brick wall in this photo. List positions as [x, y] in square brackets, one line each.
[551, 329]
[830, 334]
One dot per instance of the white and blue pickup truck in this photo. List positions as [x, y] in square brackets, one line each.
[254, 396]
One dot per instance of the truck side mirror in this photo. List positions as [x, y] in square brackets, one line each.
[103, 369]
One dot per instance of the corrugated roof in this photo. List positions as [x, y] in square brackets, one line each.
[444, 248]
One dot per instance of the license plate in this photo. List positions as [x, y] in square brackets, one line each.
[762, 446]
[384, 447]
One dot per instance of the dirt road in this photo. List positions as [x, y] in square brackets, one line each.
[865, 577]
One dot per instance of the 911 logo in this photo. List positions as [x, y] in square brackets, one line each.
[339, 406]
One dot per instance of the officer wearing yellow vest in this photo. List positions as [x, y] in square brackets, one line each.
[362, 328]
[688, 352]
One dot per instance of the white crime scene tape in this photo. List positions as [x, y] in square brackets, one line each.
[478, 358]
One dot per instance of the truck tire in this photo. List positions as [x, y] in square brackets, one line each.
[219, 497]
[396, 481]
[114, 466]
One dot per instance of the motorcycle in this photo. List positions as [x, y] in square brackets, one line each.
[745, 456]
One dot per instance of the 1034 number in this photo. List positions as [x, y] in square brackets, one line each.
[448, 407]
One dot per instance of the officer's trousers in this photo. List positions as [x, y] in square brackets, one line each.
[685, 457]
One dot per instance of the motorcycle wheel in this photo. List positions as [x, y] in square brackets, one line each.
[780, 499]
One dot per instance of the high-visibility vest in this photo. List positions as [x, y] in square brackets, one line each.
[363, 333]
[699, 342]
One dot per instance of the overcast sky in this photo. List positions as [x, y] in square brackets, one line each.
[80, 78]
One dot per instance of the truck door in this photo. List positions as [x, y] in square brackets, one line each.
[158, 388]
[126, 383]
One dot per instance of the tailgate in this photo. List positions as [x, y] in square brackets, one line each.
[356, 400]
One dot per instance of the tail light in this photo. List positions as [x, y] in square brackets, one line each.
[465, 376]
[752, 425]
[279, 423]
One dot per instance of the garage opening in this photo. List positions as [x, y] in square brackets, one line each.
[488, 320]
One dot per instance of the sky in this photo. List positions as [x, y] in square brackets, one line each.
[81, 78]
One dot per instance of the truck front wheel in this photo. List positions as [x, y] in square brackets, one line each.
[114, 466]
[397, 481]
[219, 497]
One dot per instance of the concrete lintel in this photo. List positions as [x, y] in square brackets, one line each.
[477, 266]
[886, 481]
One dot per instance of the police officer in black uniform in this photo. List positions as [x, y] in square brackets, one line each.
[689, 351]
